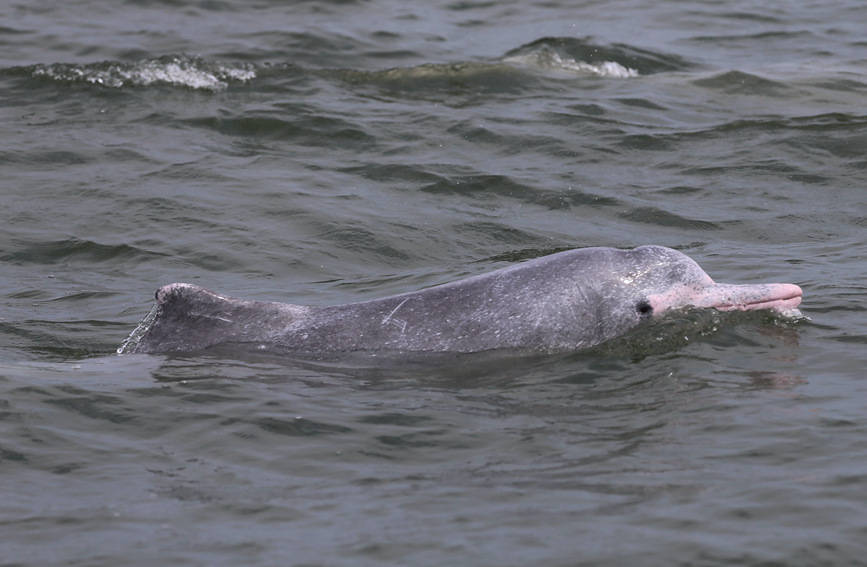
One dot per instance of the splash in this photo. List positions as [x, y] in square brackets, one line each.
[549, 59]
[190, 72]
[792, 315]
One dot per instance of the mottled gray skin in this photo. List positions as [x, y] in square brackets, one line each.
[562, 302]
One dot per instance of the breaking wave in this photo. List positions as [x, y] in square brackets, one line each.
[582, 55]
[549, 59]
[190, 72]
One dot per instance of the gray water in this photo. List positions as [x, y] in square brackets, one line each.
[329, 152]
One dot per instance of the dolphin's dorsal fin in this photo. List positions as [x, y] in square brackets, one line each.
[178, 298]
[187, 317]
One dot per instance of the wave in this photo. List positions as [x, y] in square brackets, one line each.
[557, 56]
[519, 69]
[739, 82]
[74, 249]
[183, 71]
[584, 56]
[548, 59]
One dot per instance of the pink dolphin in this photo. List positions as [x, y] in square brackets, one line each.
[563, 302]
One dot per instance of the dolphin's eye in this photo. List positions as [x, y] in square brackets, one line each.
[644, 308]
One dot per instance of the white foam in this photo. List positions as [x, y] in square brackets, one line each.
[179, 71]
[605, 69]
[792, 315]
[549, 59]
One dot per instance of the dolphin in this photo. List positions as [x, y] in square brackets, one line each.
[566, 301]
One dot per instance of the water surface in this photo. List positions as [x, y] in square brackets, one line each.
[328, 152]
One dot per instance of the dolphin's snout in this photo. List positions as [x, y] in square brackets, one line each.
[727, 297]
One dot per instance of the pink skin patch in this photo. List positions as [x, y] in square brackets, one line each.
[728, 297]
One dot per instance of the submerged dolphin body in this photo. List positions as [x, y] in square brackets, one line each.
[563, 302]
